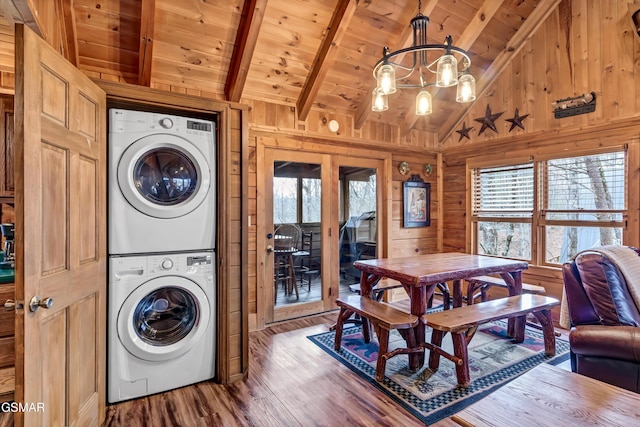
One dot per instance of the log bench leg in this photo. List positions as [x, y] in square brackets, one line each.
[434, 357]
[461, 351]
[383, 341]
[544, 317]
[344, 314]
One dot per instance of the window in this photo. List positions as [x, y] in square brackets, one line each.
[502, 210]
[584, 204]
[285, 200]
[581, 205]
[297, 193]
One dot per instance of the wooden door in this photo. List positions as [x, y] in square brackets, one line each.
[60, 195]
[282, 302]
[361, 239]
[6, 146]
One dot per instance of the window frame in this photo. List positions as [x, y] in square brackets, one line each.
[538, 221]
[475, 220]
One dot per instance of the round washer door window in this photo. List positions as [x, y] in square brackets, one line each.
[163, 176]
[163, 318]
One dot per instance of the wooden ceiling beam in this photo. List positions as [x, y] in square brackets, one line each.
[19, 11]
[342, 15]
[246, 38]
[69, 33]
[145, 55]
[533, 22]
[475, 28]
[405, 40]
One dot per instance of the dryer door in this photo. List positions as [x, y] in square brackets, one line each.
[164, 176]
[163, 318]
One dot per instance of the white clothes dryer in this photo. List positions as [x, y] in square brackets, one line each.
[162, 194]
[161, 319]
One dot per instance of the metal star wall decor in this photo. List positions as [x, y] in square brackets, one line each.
[464, 132]
[488, 121]
[517, 120]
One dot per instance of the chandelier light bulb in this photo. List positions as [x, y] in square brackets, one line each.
[387, 79]
[423, 103]
[466, 88]
[447, 71]
[379, 101]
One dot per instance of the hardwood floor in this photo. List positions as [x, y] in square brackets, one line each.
[291, 382]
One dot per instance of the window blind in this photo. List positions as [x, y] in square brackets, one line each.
[505, 191]
[587, 183]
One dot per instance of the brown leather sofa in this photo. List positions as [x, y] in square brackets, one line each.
[605, 333]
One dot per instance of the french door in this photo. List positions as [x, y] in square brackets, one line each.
[296, 234]
[357, 188]
[337, 205]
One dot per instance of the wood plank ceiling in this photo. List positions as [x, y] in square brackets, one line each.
[307, 53]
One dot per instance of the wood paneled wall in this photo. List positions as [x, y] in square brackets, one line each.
[584, 46]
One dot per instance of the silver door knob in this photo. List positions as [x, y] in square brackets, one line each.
[269, 248]
[36, 303]
[9, 305]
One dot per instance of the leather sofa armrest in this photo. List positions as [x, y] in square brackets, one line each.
[617, 342]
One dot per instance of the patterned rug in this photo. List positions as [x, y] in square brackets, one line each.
[494, 361]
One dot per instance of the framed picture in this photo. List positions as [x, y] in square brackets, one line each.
[416, 203]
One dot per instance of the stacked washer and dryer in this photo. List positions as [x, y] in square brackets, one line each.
[162, 282]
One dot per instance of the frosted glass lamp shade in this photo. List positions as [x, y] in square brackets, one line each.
[447, 73]
[387, 79]
[466, 88]
[379, 101]
[424, 106]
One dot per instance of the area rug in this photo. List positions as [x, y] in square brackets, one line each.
[494, 360]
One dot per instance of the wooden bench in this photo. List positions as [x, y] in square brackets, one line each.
[482, 283]
[384, 318]
[463, 322]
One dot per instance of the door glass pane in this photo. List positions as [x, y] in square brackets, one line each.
[297, 217]
[357, 240]
[165, 316]
[165, 176]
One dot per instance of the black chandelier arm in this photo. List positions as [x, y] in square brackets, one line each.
[386, 59]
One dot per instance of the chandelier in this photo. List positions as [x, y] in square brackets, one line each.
[413, 65]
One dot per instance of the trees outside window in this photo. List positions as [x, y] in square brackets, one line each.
[581, 205]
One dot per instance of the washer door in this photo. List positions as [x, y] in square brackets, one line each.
[163, 318]
[163, 176]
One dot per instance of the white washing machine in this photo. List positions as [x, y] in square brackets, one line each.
[161, 318]
[162, 194]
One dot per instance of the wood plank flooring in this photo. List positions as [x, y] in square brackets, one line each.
[291, 382]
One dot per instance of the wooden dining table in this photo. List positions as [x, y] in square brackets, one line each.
[420, 274]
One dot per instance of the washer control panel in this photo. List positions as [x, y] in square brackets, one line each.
[126, 121]
[123, 268]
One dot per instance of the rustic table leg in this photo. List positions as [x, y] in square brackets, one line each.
[513, 280]
[457, 293]
[419, 296]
